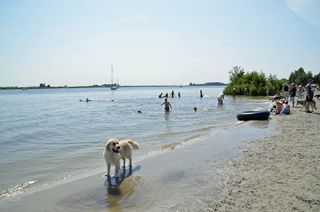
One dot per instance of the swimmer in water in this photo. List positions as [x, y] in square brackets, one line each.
[167, 105]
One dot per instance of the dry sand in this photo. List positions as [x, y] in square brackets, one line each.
[277, 173]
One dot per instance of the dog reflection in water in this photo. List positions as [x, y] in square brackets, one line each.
[114, 183]
[124, 184]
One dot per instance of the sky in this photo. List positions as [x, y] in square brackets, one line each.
[149, 42]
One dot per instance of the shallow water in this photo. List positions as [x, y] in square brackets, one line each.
[185, 179]
[48, 135]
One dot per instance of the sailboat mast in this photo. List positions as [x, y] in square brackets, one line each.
[112, 75]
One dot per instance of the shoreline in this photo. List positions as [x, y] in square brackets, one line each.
[108, 86]
[276, 173]
[190, 174]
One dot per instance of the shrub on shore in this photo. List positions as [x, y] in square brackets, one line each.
[257, 84]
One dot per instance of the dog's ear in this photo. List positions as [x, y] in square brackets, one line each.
[108, 146]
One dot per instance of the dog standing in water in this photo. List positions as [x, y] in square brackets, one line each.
[116, 150]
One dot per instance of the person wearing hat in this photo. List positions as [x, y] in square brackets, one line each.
[292, 93]
[309, 95]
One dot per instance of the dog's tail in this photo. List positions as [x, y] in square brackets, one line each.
[133, 144]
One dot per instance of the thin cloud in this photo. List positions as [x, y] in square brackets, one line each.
[308, 10]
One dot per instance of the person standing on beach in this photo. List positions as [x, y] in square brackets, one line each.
[292, 93]
[179, 94]
[309, 95]
[167, 105]
[300, 91]
[286, 91]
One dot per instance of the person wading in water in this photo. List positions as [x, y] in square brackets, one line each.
[167, 105]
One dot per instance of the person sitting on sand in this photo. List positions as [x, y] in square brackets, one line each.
[273, 105]
[278, 107]
[282, 108]
[285, 108]
[167, 105]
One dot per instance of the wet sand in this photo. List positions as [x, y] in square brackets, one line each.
[277, 173]
[188, 177]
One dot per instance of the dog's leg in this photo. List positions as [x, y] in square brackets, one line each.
[123, 174]
[130, 162]
[130, 170]
[303, 106]
[117, 169]
[108, 169]
[124, 163]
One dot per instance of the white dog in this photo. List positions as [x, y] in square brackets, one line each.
[220, 99]
[116, 150]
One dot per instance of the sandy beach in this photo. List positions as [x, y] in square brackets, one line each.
[277, 173]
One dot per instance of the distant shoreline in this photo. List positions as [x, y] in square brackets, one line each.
[108, 86]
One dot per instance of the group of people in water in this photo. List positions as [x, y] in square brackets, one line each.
[86, 100]
[172, 95]
[167, 104]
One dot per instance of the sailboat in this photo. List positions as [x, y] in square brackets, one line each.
[114, 86]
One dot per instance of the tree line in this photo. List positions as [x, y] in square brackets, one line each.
[258, 84]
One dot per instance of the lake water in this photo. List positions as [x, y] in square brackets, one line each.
[48, 135]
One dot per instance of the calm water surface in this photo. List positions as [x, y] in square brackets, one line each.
[48, 135]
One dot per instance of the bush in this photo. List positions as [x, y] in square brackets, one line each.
[253, 91]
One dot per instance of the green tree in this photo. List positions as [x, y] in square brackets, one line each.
[299, 76]
[316, 78]
[255, 82]
[236, 74]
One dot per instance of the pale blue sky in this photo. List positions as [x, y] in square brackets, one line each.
[74, 42]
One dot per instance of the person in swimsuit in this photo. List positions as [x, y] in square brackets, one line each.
[201, 94]
[167, 105]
